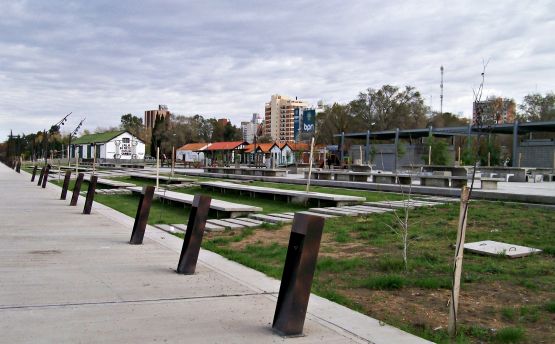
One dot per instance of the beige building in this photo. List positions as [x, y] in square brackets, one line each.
[150, 115]
[278, 117]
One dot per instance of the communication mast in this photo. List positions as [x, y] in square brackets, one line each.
[441, 95]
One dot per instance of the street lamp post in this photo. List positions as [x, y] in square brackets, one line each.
[57, 125]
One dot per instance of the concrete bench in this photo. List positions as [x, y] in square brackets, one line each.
[265, 172]
[223, 209]
[294, 196]
[490, 183]
[116, 184]
[384, 178]
[443, 181]
[165, 179]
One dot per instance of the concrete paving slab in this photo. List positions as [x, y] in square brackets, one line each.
[242, 223]
[327, 216]
[75, 278]
[270, 219]
[285, 216]
[496, 248]
[253, 221]
[328, 211]
[225, 224]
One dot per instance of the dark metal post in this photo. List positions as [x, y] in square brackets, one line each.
[396, 149]
[66, 185]
[18, 166]
[90, 195]
[76, 190]
[367, 148]
[41, 175]
[514, 161]
[298, 272]
[141, 218]
[193, 235]
[34, 174]
[45, 177]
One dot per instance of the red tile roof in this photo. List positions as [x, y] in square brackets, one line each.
[224, 146]
[193, 146]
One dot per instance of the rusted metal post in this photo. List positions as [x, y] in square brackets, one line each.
[76, 190]
[141, 219]
[34, 174]
[45, 177]
[193, 235]
[66, 185]
[298, 272]
[90, 195]
[41, 175]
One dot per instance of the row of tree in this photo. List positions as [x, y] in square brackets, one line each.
[392, 107]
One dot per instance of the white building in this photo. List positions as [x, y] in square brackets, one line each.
[191, 152]
[109, 145]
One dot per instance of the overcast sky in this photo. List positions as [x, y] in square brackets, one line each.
[102, 59]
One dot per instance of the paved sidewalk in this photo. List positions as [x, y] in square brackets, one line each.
[68, 277]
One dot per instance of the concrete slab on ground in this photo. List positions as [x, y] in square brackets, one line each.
[496, 248]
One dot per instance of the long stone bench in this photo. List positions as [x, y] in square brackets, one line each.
[223, 209]
[109, 182]
[344, 176]
[165, 179]
[265, 172]
[443, 181]
[295, 196]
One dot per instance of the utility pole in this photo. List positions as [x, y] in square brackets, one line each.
[441, 95]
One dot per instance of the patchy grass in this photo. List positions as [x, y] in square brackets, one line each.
[360, 266]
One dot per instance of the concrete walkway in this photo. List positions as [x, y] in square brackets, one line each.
[68, 277]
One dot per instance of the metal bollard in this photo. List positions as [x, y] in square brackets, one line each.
[76, 190]
[45, 177]
[34, 174]
[65, 185]
[193, 236]
[90, 195]
[141, 219]
[41, 175]
[298, 272]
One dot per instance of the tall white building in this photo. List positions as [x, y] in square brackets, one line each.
[279, 117]
[249, 128]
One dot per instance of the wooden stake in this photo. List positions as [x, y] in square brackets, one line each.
[94, 158]
[310, 164]
[429, 155]
[489, 159]
[173, 160]
[157, 167]
[519, 158]
[457, 269]
[459, 155]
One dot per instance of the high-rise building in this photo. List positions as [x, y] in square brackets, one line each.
[249, 128]
[279, 117]
[150, 115]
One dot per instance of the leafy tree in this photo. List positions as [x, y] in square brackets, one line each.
[264, 139]
[536, 107]
[446, 119]
[333, 120]
[388, 108]
[131, 123]
[440, 151]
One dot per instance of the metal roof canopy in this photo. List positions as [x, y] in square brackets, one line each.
[522, 128]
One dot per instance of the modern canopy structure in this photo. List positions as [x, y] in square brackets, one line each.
[515, 129]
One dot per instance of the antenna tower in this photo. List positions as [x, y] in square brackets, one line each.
[441, 95]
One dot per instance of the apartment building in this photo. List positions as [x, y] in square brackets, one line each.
[279, 117]
[150, 115]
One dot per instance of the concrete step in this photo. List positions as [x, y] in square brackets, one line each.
[242, 222]
[270, 219]
[376, 210]
[225, 224]
[253, 221]
[285, 216]
[317, 214]
[331, 212]
[346, 209]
